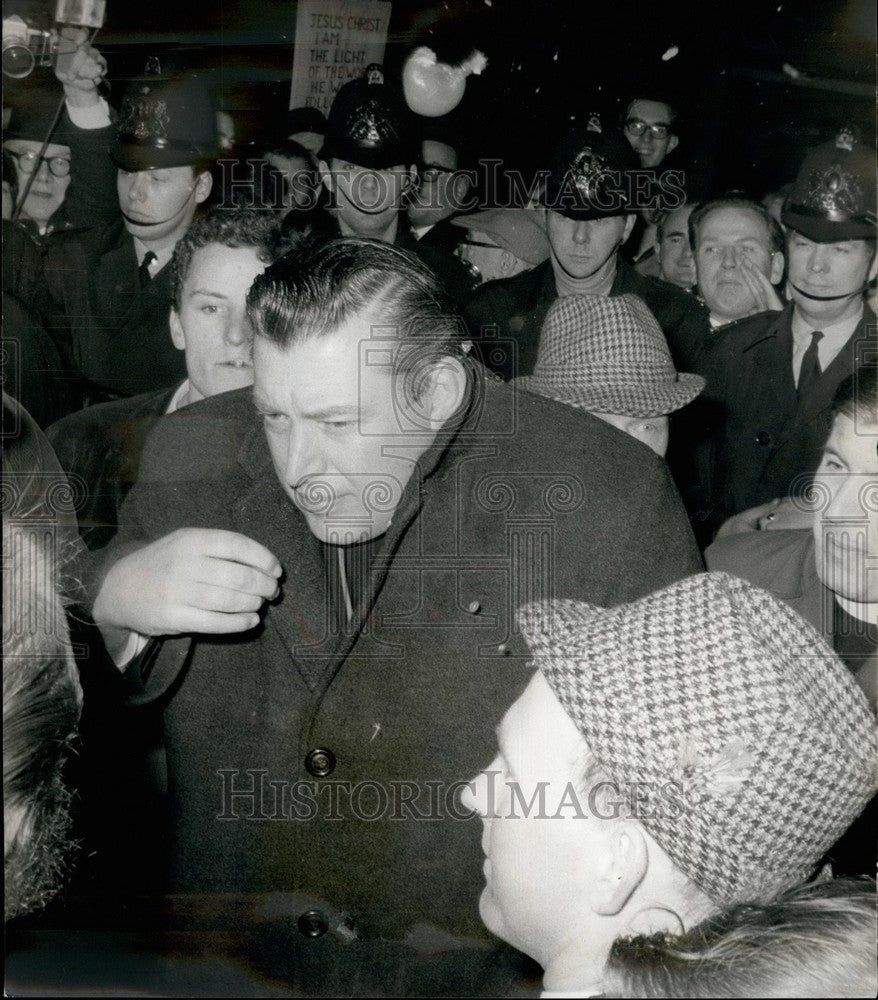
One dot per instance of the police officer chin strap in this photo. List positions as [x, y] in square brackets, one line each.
[830, 298]
[162, 222]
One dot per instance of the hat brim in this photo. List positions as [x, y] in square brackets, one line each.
[372, 157]
[135, 157]
[563, 201]
[823, 230]
[642, 400]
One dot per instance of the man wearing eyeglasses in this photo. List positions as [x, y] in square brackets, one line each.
[649, 127]
[442, 190]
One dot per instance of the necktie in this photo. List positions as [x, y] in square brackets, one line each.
[143, 270]
[810, 372]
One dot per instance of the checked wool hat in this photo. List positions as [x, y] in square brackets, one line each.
[608, 355]
[723, 690]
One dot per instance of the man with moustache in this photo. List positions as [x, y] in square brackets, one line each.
[771, 378]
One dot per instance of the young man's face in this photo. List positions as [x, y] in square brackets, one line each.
[730, 242]
[846, 526]
[158, 205]
[211, 325]
[582, 247]
[827, 269]
[652, 431]
[650, 148]
[332, 414]
[676, 262]
[538, 869]
[47, 190]
[367, 201]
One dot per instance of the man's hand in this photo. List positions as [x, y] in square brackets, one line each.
[765, 295]
[79, 67]
[193, 580]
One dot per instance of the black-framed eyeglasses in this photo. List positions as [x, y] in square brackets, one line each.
[28, 162]
[430, 173]
[636, 127]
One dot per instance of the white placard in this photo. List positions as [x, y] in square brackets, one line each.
[335, 42]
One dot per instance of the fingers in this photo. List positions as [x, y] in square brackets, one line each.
[214, 543]
[209, 597]
[216, 623]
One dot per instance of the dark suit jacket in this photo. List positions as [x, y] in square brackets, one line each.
[765, 442]
[526, 498]
[118, 331]
[506, 316]
[101, 445]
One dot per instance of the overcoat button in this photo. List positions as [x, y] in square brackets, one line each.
[474, 607]
[312, 924]
[320, 762]
[503, 649]
[764, 439]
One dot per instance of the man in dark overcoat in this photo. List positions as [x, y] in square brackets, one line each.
[326, 585]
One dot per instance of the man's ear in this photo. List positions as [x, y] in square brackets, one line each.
[446, 391]
[203, 186]
[629, 225]
[777, 265]
[177, 336]
[460, 185]
[624, 866]
[672, 144]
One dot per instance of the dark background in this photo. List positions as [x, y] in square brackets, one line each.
[746, 121]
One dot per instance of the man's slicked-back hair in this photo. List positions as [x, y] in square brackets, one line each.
[239, 228]
[857, 396]
[320, 286]
[776, 236]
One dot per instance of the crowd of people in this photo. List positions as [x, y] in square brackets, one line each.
[407, 516]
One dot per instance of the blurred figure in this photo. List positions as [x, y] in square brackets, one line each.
[41, 693]
[501, 242]
[307, 127]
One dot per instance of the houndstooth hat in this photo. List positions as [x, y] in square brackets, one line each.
[719, 688]
[608, 355]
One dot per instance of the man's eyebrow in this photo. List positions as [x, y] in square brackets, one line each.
[328, 412]
[209, 292]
